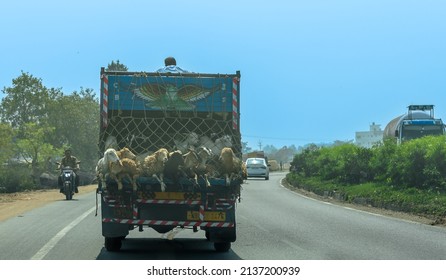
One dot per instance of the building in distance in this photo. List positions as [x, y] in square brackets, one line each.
[369, 138]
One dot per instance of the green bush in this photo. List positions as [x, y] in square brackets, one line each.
[420, 163]
[409, 177]
[16, 178]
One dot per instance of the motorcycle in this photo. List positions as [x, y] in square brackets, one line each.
[68, 178]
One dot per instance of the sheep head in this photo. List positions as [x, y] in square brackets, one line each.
[162, 155]
[126, 153]
[227, 155]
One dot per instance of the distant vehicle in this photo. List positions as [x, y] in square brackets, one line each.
[257, 154]
[257, 167]
[415, 124]
[273, 165]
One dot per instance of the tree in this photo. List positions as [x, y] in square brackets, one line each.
[245, 148]
[32, 147]
[76, 121]
[26, 101]
[6, 147]
[116, 66]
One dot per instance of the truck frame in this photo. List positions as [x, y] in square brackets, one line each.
[145, 111]
[414, 124]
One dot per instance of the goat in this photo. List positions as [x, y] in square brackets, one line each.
[231, 165]
[111, 142]
[154, 166]
[189, 141]
[109, 164]
[214, 166]
[191, 161]
[205, 155]
[127, 168]
[173, 166]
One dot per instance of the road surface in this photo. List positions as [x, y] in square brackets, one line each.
[273, 223]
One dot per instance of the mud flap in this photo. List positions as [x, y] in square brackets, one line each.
[222, 234]
[114, 230]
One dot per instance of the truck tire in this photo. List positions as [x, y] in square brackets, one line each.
[222, 246]
[113, 244]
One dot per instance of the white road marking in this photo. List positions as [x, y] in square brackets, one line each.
[53, 241]
[291, 244]
[349, 208]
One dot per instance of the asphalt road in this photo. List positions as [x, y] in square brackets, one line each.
[272, 223]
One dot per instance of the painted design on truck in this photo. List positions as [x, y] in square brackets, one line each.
[129, 93]
[170, 96]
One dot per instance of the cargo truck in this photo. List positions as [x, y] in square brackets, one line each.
[419, 121]
[146, 111]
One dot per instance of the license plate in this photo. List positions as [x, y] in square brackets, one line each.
[177, 196]
[218, 216]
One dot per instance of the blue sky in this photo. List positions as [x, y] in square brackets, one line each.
[312, 71]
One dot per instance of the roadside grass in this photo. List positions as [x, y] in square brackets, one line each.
[410, 200]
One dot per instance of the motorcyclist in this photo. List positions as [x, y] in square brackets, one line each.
[69, 160]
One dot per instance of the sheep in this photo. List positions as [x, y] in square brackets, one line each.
[153, 165]
[173, 166]
[129, 170]
[109, 164]
[244, 171]
[126, 153]
[231, 165]
[140, 158]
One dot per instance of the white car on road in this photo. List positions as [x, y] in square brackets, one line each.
[257, 167]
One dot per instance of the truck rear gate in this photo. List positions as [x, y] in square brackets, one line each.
[209, 209]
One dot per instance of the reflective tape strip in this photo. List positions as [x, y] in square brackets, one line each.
[104, 101]
[167, 223]
[135, 212]
[165, 201]
[201, 213]
[234, 104]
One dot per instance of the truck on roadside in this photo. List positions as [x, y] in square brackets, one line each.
[419, 121]
[146, 111]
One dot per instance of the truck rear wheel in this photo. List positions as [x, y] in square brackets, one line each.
[222, 246]
[113, 244]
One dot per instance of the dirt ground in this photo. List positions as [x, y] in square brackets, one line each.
[14, 204]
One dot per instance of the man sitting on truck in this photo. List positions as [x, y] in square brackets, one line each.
[171, 66]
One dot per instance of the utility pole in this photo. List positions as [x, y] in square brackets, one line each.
[260, 145]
